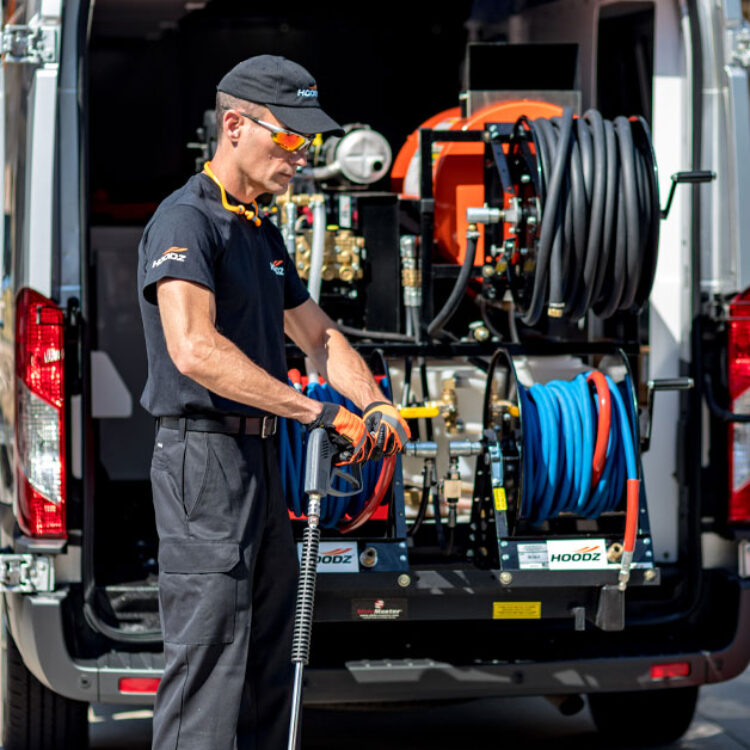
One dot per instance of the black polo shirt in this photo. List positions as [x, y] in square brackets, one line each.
[193, 237]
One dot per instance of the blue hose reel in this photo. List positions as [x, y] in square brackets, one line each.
[292, 443]
[559, 432]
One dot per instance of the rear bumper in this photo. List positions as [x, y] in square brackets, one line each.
[36, 623]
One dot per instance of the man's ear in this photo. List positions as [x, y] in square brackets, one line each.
[232, 122]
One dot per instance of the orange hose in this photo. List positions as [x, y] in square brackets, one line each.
[631, 515]
[381, 486]
[603, 425]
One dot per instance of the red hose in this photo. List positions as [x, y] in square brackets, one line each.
[381, 487]
[631, 514]
[603, 425]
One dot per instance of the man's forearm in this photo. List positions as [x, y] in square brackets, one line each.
[218, 365]
[346, 371]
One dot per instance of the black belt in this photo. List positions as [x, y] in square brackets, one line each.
[264, 427]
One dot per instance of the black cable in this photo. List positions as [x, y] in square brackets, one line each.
[424, 500]
[459, 289]
[599, 230]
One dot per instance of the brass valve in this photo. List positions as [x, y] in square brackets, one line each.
[445, 407]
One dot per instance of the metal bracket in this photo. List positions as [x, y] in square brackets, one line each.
[29, 45]
[666, 384]
[28, 574]
[610, 611]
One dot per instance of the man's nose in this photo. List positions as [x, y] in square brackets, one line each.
[299, 158]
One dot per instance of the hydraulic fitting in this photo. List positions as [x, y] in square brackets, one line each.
[484, 215]
[452, 491]
[424, 449]
[448, 405]
[411, 274]
[458, 448]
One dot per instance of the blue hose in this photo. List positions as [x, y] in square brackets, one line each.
[292, 447]
[559, 423]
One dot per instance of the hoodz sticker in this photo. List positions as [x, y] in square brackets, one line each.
[334, 557]
[576, 554]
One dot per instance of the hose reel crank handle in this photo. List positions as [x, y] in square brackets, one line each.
[690, 178]
[663, 384]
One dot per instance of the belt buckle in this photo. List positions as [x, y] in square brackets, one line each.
[267, 426]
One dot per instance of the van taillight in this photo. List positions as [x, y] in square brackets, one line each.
[40, 415]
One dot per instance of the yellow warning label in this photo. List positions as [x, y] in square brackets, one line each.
[516, 610]
[500, 502]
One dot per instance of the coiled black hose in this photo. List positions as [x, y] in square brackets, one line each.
[597, 244]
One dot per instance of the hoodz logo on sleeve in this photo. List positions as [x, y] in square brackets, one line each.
[172, 253]
[277, 266]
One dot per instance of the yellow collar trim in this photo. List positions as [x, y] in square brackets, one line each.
[240, 210]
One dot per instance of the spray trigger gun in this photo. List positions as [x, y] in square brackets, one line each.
[320, 470]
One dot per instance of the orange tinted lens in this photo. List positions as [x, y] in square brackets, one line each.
[289, 141]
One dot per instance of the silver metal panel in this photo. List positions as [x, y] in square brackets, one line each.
[40, 186]
[738, 142]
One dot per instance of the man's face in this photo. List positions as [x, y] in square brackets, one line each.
[267, 166]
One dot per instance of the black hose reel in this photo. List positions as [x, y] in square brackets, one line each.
[579, 225]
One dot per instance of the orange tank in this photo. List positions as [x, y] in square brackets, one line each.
[457, 170]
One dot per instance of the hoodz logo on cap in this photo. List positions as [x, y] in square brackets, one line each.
[310, 92]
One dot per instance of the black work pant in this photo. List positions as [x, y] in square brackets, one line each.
[227, 581]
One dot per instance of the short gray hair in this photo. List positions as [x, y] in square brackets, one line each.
[225, 102]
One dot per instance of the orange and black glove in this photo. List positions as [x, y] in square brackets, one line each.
[389, 432]
[346, 431]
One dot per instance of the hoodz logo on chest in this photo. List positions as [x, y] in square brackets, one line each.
[277, 266]
[173, 253]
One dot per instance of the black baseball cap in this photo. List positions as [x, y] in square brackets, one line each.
[287, 89]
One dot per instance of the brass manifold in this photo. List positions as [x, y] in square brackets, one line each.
[342, 255]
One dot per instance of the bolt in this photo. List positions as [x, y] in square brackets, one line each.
[404, 580]
[506, 578]
[525, 179]
[649, 575]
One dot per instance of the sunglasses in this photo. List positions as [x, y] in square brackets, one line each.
[288, 140]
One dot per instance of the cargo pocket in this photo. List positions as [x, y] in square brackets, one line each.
[198, 591]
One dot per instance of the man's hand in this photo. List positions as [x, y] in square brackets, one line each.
[347, 432]
[387, 429]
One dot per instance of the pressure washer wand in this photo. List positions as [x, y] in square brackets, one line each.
[320, 453]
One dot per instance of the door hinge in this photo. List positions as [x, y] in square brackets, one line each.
[27, 574]
[28, 44]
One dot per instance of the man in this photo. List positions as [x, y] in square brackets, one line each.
[218, 292]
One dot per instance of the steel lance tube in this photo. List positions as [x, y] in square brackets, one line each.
[317, 480]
